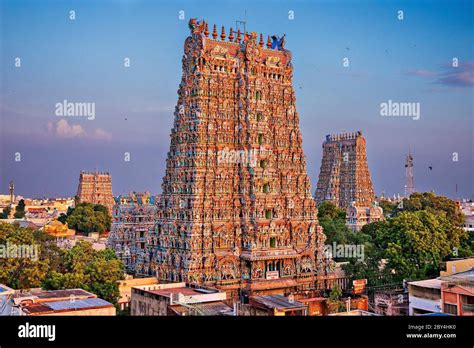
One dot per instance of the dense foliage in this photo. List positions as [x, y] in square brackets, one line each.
[20, 210]
[418, 234]
[87, 217]
[78, 267]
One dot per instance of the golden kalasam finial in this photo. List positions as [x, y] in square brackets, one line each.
[206, 30]
[261, 40]
[239, 37]
[231, 35]
[214, 32]
[223, 34]
[269, 42]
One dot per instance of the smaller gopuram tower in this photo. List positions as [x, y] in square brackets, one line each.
[344, 177]
[96, 188]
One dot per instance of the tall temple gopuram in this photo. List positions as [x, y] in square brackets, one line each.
[344, 177]
[236, 211]
[96, 188]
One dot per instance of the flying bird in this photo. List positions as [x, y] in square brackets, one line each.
[431, 168]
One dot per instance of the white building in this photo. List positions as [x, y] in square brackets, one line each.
[468, 211]
[424, 296]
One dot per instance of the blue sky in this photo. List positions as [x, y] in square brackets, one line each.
[407, 60]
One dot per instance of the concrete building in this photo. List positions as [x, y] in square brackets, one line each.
[456, 266]
[125, 289]
[177, 299]
[467, 208]
[424, 296]
[457, 294]
[75, 302]
[391, 302]
[355, 313]
[6, 294]
[451, 293]
[276, 305]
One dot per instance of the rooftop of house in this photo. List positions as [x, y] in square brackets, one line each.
[356, 313]
[428, 283]
[65, 306]
[5, 290]
[175, 290]
[278, 302]
[209, 308]
[183, 290]
[42, 296]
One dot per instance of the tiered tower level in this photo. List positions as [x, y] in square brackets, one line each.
[132, 221]
[96, 188]
[344, 177]
[236, 209]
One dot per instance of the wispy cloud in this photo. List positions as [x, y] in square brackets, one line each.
[448, 75]
[462, 76]
[64, 129]
[101, 134]
[421, 73]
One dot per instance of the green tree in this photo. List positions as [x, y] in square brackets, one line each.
[25, 272]
[411, 244]
[6, 212]
[328, 210]
[333, 221]
[334, 299]
[431, 202]
[387, 207]
[20, 210]
[89, 269]
[418, 241]
[87, 217]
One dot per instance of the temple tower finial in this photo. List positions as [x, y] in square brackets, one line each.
[214, 32]
[223, 34]
[261, 40]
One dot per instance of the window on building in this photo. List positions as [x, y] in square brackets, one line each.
[450, 309]
[272, 242]
[260, 139]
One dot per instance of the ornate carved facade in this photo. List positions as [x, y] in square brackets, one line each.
[344, 177]
[132, 221]
[236, 209]
[357, 217]
[96, 188]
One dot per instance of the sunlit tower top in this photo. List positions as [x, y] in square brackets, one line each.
[410, 185]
